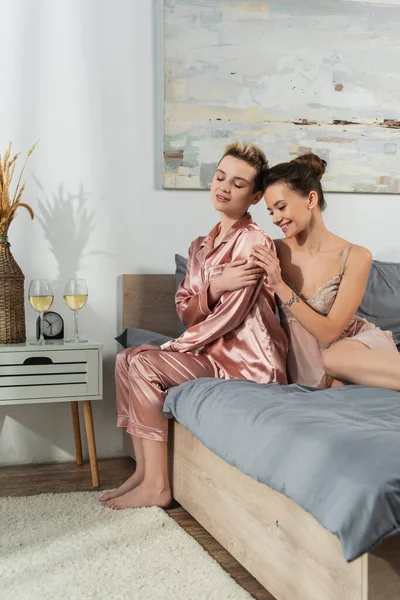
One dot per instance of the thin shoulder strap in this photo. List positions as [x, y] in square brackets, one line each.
[345, 259]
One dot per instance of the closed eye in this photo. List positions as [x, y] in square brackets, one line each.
[281, 208]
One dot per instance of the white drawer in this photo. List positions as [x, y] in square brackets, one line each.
[49, 374]
[54, 356]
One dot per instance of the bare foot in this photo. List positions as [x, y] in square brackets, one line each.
[128, 485]
[142, 497]
[336, 383]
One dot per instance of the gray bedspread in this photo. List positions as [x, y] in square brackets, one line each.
[335, 452]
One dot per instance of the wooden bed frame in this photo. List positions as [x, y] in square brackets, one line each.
[278, 542]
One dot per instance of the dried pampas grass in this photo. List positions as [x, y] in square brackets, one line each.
[9, 203]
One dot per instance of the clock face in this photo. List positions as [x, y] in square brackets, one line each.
[52, 324]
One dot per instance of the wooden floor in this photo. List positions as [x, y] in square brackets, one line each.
[29, 480]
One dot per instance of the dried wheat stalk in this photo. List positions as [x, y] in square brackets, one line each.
[9, 203]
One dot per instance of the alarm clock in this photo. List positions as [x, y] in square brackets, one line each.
[53, 326]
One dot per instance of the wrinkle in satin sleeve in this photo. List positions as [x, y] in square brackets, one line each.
[192, 307]
[231, 309]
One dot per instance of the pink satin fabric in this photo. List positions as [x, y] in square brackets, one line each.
[304, 363]
[239, 337]
[142, 382]
[241, 332]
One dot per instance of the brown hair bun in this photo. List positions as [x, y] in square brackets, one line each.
[302, 174]
[314, 163]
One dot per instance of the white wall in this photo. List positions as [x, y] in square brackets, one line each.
[85, 76]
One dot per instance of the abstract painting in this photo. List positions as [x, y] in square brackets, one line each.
[289, 75]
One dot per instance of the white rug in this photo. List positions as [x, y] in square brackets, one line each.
[67, 546]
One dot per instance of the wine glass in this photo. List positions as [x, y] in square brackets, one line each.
[41, 296]
[75, 296]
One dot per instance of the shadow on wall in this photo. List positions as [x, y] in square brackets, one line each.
[68, 221]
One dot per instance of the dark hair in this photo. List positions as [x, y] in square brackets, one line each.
[254, 156]
[303, 175]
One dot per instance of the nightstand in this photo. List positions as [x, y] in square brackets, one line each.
[55, 372]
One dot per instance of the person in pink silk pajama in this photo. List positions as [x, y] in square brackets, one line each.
[229, 309]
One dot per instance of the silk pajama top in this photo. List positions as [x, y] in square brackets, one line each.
[240, 332]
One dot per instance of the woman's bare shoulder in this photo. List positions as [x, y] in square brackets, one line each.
[360, 253]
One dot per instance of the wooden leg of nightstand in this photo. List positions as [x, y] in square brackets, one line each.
[77, 433]
[87, 411]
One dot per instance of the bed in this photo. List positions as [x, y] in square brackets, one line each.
[282, 545]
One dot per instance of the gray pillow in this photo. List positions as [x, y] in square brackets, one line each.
[381, 302]
[180, 268]
[180, 272]
[132, 338]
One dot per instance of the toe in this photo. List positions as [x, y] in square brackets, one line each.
[116, 504]
[106, 496]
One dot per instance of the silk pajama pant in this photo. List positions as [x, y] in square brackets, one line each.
[142, 382]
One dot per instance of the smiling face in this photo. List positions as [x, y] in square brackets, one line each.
[232, 189]
[290, 211]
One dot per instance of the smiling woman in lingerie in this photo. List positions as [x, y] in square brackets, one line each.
[319, 280]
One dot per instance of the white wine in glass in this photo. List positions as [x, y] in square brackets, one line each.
[75, 296]
[41, 296]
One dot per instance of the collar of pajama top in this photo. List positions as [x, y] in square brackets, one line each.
[212, 260]
[236, 228]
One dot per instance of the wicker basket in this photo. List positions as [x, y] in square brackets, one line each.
[12, 309]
